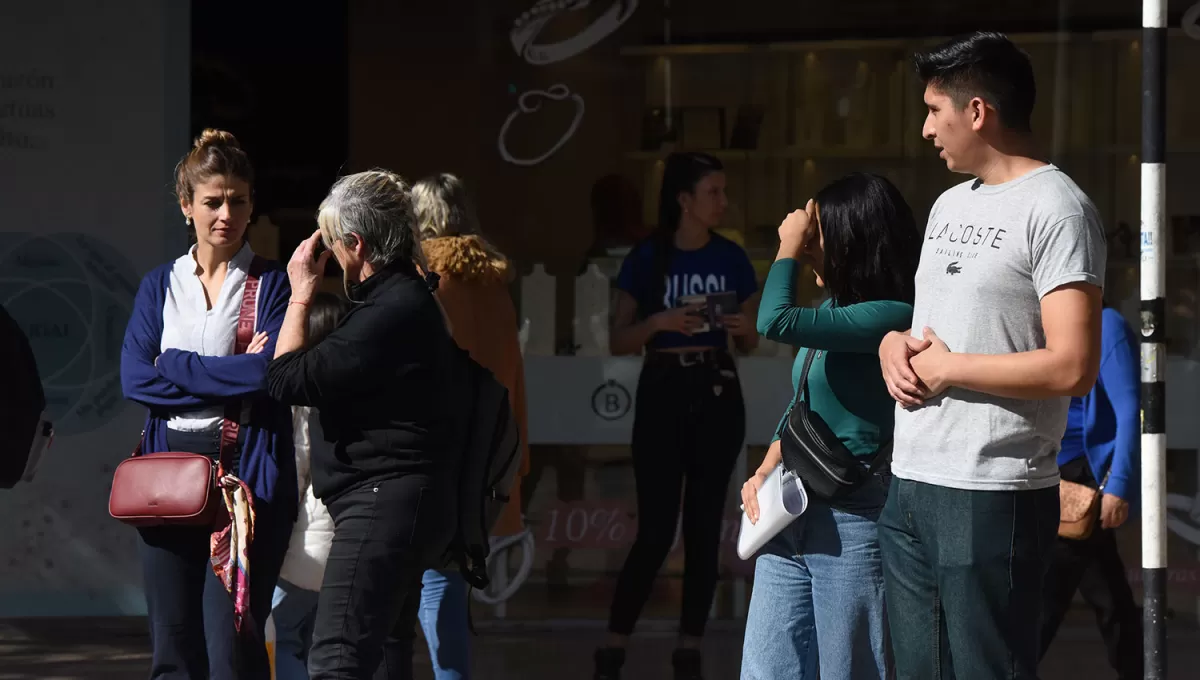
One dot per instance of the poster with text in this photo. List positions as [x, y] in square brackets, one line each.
[94, 101]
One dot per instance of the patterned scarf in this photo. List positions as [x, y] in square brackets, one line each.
[229, 545]
[230, 548]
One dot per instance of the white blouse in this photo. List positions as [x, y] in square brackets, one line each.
[189, 325]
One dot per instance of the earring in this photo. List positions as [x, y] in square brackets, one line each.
[188, 220]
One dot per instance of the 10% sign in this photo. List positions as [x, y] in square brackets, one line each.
[607, 525]
[590, 525]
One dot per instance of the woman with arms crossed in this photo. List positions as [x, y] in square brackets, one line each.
[178, 360]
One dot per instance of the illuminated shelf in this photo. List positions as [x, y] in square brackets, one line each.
[783, 153]
[821, 153]
[708, 49]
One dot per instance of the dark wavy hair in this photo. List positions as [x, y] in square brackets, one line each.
[872, 244]
[683, 171]
[982, 64]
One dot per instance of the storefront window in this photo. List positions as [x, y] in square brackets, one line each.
[788, 99]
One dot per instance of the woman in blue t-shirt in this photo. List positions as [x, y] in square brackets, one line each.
[690, 419]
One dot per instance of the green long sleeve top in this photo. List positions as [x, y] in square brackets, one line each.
[845, 384]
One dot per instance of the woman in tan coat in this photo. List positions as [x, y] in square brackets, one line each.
[474, 292]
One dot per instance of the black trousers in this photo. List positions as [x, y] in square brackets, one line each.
[689, 426]
[1094, 568]
[386, 533]
[191, 615]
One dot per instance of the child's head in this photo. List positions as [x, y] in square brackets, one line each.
[323, 316]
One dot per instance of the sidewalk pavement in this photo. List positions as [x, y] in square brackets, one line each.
[108, 649]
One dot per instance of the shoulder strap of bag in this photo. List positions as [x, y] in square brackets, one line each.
[881, 455]
[247, 319]
[808, 362]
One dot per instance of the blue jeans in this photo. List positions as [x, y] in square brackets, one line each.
[818, 596]
[965, 571]
[444, 620]
[293, 609]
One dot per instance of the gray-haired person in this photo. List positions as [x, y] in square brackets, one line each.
[378, 381]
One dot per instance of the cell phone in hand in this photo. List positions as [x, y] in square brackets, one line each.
[720, 305]
[318, 249]
[701, 313]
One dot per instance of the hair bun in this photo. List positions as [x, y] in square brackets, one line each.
[212, 137]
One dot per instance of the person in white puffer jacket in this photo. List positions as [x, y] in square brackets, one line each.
[295, 601]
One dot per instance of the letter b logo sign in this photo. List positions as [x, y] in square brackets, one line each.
[611, 401]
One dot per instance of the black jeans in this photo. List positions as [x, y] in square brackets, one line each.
[386, 533]
[963, 574]
[1094, 568]
[191, 614]
[688, 429]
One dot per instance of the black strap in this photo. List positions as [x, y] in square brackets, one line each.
[808, 362]
[881, 455]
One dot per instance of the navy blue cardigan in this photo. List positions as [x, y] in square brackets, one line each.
[185, 381]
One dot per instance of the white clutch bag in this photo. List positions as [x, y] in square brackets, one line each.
[781, 500]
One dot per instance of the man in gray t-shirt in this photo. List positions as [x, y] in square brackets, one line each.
[1006, 328]
[992, 253]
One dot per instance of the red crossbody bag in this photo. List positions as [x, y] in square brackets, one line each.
[175, 488]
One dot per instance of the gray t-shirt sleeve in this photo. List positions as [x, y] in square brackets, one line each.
[1072, 250]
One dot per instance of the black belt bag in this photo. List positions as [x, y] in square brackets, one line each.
[817, 456]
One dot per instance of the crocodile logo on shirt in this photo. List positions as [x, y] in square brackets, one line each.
[953, 268]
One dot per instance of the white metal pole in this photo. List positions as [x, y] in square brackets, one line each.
[1153, 326]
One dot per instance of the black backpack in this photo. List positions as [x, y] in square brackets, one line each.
[23, 432]
[491, 457]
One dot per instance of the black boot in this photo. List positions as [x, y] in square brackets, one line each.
[687, 664]
[608, 663]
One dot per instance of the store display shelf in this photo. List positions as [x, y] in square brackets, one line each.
[707, 49]
[886, 154]
[786, 153]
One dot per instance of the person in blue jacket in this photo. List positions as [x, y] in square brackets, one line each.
[1102, 442]
[177, 360]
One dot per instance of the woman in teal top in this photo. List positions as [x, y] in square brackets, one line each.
[818, 585]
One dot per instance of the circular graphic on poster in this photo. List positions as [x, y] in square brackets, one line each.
[611, 401]
[72, 295]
